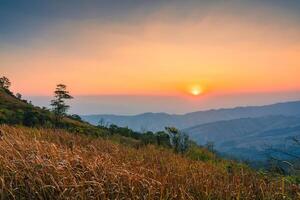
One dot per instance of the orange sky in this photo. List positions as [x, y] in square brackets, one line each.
[221, 53]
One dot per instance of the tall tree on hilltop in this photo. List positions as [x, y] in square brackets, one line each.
[4, 82]
[59, 107]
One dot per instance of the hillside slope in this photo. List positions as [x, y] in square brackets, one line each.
[52, 164]
[16, 111]
[248, 138]
[157, 121]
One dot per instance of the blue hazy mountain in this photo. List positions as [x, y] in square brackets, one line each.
[157, 121]
[249, 138]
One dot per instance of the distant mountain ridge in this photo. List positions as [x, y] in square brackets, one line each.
[249, 138]
[157, 121]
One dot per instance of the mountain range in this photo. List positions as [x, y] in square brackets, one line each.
[250, 138]
[246, 133]
[158, 121]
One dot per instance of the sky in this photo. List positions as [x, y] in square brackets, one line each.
[134, 56]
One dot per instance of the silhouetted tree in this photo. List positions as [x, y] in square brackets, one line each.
[148, 138]
[102, 123]
[19, 96]
[58, 104]
[162, 139]
[113, 129]
[4, 82]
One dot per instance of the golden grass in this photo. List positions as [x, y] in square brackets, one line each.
[53, 164]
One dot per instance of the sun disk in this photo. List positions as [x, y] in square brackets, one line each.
[196, 91]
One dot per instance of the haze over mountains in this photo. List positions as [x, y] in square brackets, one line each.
[242, 132]
[157, 121]
[250, 138]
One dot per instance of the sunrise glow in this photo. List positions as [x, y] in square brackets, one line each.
[196, 90]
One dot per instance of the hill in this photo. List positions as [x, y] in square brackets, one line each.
[249, 138]
[17, 111]
[157, 121]
[54, 164]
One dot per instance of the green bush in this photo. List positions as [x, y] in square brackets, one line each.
[293, 179]
[198, 153]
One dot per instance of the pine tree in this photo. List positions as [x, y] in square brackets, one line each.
[60, 108]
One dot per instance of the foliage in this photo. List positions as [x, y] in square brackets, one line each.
[58, 103]
[15, 111]
[160, 138]
[179, 140]
[75, 117]
[200, 154]
[5, 83]
[293, 179]
[19, 96]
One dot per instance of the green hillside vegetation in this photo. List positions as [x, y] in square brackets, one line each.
[17, 111]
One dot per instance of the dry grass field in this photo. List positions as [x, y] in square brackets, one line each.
[53, 164]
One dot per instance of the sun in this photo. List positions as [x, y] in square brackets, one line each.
[196, 90]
